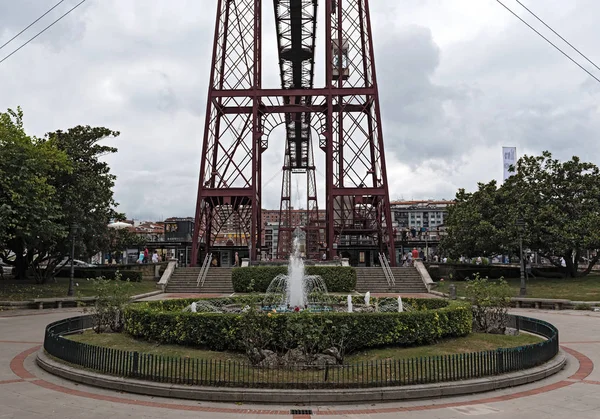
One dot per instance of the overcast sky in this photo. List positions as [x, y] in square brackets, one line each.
[458, 79]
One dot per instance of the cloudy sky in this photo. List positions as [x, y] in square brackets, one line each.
[458, 80]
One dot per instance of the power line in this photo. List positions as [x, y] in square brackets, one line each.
[557, 34]
[547, 40]
[31, 24]
[43, 30]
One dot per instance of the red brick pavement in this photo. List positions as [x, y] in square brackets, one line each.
[586, 367]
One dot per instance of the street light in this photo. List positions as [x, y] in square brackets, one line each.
[71, 291]
[521, 225]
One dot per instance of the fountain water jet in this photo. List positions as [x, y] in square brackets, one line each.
[296, 291]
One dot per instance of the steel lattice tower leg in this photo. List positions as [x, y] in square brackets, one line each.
[229, 187]
[356, 179]
[313, 222]
[285, 231]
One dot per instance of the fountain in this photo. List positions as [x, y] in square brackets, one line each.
[296, 291]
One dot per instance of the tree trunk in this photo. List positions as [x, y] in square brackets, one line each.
[21, 266]
[571, 268]
[591, 265]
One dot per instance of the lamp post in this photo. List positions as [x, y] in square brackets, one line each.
[520, 225]
[71, 291]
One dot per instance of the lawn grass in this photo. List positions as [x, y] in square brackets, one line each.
[576, 289]
[125, 342]
[14, 290]
[475, 342]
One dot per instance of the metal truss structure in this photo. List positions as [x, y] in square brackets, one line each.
[345, 113]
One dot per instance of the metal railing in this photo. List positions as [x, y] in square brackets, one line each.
[387, 271]
[204, 270]
[394, 372]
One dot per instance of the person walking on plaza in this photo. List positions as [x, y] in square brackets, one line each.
[237, 260]
[146, 255]
[415, 253]
[155, 257]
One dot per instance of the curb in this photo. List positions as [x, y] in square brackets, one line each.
[569, 304]
[146, 295]
[339, 396]
[16, 305]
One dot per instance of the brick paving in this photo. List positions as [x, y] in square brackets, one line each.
[32, 393]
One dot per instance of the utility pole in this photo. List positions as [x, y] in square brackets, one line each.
[71, 291]
[520, 225]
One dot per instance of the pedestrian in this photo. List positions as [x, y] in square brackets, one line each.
[237, 260]
[155, 257]
[146, 255]
[415, 254]
[141, 257]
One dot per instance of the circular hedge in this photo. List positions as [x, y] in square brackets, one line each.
[165, 322]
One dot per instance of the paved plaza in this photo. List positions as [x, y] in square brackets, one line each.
[26, 391]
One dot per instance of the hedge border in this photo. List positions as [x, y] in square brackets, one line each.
[223, 331]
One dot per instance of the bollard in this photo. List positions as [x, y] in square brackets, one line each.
[452, 290]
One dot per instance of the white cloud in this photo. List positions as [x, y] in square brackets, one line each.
[458, 80]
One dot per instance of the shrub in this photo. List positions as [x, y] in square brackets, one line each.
[490, 302]
[107, 311]
[258, 278]
[129, 275]
[225, 331]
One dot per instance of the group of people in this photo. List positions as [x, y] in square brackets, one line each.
[144, 256]
[408, 258]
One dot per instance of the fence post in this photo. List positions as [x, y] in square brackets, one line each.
[136, 363]
[499, 362]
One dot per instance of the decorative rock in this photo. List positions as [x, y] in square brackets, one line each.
[295, 357]
[334, 352]
[322, 360]
[511, 332]
[269, 359]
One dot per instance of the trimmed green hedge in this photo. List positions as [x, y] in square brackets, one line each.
[257, 299]
[216, 331]
[133, 276]
[258, 278]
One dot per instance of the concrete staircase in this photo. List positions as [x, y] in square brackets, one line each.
[218, 281]
[407, 280]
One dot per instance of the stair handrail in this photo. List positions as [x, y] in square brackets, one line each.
[205, 263]
[205, 274]
[387, 270]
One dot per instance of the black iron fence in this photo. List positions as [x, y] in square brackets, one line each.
[395, 372]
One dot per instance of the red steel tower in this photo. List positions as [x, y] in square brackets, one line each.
[345, 113]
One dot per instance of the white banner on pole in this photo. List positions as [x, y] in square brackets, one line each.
[509, 158]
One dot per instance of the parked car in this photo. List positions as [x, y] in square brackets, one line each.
[7, 270]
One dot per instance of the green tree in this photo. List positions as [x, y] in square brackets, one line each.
[29, 210]
[560, 205]
[46, 186]
[84, 194]
[477, 225]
